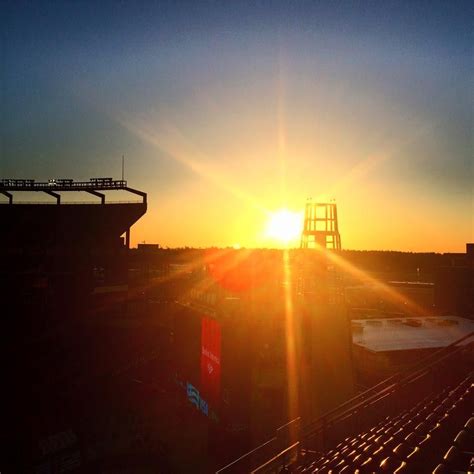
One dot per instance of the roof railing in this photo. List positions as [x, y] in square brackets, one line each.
[61, 184]
[53, 186]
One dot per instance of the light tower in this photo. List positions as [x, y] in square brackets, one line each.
[320, 228]
[325, 324]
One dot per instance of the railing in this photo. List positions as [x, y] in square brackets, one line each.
[284, 443]
[380, 391]
[272, 456]
[53, 187]
[30, 185]
[253, 458]
[51, 203]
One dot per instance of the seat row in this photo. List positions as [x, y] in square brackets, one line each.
[460, 456]
[399, 443]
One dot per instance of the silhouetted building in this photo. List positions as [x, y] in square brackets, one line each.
[63, 265]
[454, 286]
[148, 248]
[57, 257]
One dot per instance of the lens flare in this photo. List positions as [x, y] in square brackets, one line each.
[284, 226]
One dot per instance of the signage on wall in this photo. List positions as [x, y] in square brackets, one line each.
[210, 359]
[195, 398]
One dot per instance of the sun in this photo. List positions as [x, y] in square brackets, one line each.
[284, 226]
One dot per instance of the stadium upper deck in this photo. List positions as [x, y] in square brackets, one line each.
[69, 222]
[52, 186]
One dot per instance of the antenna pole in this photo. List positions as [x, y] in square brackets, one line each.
[123, 167]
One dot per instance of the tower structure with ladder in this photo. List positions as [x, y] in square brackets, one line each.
[320, 229]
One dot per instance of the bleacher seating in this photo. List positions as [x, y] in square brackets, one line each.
[402, 424]
[406, 442]
[460, 456]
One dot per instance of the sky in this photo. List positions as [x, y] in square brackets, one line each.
[228, 111]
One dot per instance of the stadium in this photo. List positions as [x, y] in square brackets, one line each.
[152, 360]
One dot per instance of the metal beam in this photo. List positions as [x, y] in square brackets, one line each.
[127, 238]
[100, 195]
[59, 185]
[139, 193]
[55, 195]
[8, 195]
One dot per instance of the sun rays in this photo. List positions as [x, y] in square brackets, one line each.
[170, 140]
[234, 270]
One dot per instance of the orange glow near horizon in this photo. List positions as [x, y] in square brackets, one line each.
[252, 197]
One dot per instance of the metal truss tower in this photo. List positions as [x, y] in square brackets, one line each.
[320, 230]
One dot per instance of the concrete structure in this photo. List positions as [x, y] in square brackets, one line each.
[55, 256]
[383, 346]
[64, 267]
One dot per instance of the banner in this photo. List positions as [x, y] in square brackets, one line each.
[210, 360]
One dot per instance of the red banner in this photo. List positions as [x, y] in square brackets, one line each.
[210, 360]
